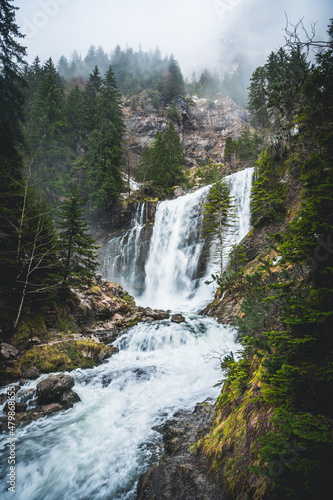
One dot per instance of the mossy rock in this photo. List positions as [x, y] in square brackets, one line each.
[63, 356]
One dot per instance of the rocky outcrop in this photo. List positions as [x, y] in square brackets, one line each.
[203, 127]
[182, 473]
[53, 394]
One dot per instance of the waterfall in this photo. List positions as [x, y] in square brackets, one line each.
[177, 252]
[100, 448]
[123, 254]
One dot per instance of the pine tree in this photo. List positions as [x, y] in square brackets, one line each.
[268, 193]
[11, 113]
[162, 163]
[90, 99]
[78, 259]
[218, 215]
[105, 147]
[11, 75]
[172, 82]
[74, 118]
[46, 131]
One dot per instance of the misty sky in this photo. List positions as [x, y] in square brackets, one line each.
[200, 33]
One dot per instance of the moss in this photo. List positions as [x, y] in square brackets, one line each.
[31, 325]
[62, 356]
[128, 299]
[241, 418]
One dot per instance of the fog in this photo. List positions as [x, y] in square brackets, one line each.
[199, 33]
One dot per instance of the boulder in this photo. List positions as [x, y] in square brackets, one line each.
[178, 318]
[8, 352]
[52, 388]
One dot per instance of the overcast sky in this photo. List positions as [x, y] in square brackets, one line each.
[200, 33]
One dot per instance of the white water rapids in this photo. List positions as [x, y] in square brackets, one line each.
[99, 449]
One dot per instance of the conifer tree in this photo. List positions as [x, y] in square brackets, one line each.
[90, 98]
[162, 163]
[105, 147]
[268, 193]
[74, 118]
[78, 259]
[46, 131]
[218, 215]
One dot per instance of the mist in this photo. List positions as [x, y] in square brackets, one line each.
[199, 33]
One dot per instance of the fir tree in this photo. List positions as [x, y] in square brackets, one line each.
[218, 213]
[105, 147]
[78, 259]
[161, 164]
[268, 193]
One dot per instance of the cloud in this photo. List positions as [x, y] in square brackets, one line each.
[200, 33]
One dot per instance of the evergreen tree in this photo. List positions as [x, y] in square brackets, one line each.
[172, 82]
[11, 76]
[11, 182]
[218, 213]
[161, 164]
[229, 150]
[78, 259]
[74, 115]
[90, 99]
[105, 147]
[267, 194]
[46, 131]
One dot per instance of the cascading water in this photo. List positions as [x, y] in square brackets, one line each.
[98, 449]
[176, 249]
[123, 253]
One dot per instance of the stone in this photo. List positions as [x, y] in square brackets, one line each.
[52, 388]
[3, 398]
[8, 351]
[69, 398]
[178, 318]
[31, 373]
[19, 407]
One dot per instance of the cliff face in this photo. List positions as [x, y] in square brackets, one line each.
[203, 127]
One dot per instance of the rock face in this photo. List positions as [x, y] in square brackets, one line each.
[203, 127]
[182, 474]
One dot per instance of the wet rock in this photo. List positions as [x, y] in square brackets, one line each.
[19, 407]
[69, 398]
[178, 318]
[182, 474]
[52, 388]
[3, 398]
[155, 314]
[178, 191]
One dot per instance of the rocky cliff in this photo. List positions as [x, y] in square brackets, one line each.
[203, 127]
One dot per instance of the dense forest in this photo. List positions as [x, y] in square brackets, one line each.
[136, 71]
[61, 151]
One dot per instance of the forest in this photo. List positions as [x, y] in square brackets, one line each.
[62, 156]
